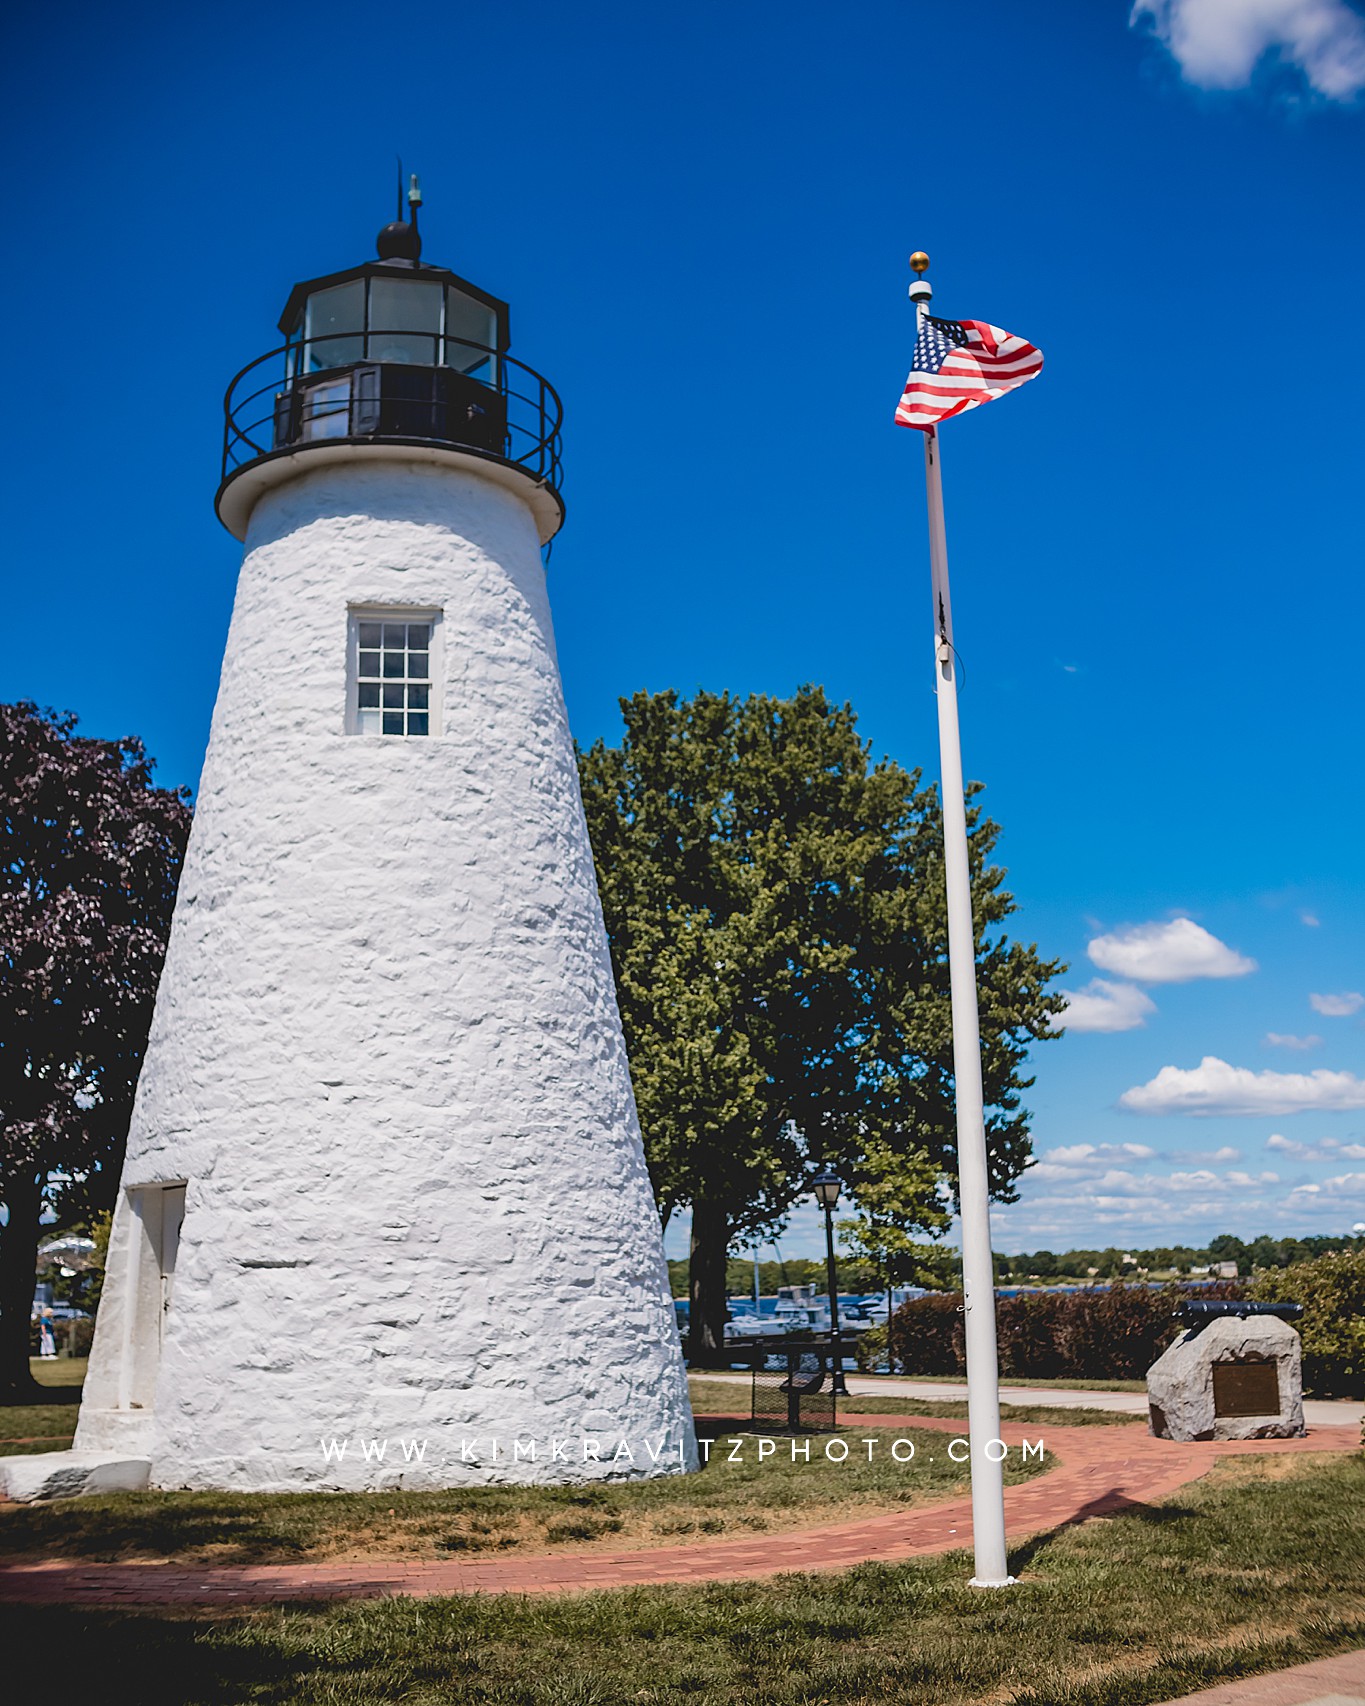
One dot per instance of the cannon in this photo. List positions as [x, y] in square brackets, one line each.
[1196, 1313]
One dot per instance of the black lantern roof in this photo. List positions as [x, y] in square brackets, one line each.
[398, 248]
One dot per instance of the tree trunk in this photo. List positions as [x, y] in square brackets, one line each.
[23, 1196]
[706, 1286]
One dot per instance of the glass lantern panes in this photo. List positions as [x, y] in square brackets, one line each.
[401, 309]
[393, 677]
[414, 322]
[333, 323]
[471, 331]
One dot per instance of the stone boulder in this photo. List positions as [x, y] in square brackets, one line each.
[1237, 1378]
[67, 1474]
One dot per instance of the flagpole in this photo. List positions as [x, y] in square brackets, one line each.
[978, 1275]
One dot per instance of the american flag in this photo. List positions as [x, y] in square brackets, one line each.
[958, 364]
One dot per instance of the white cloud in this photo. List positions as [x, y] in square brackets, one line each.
[1086, 1157]
[1326, 1149]
[1104, 1006]
[1214, 1087]
[1337, 1006]
[1083, 1195]
[1219, 43]
[1311, 919]
[1120, 1182]
[1202, 1180]
[1193, 1157]
[1174, 952]
[1351, 1186]
[1281, 1039]
[1061, 1207]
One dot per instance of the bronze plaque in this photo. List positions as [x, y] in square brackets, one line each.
[1246, 1389]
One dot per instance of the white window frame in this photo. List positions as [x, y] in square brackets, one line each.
[358, 613]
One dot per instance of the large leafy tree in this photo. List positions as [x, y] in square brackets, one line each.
[774, 903]
[90, 855]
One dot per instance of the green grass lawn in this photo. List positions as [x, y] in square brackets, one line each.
[727, 1498]
[1254, 1567]
[1005, 1380]
[730, 1398]
[49, 1427]
[1023, 1380]
[62, 1372]
[27, 1428]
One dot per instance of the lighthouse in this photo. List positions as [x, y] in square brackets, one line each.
[385, 1219]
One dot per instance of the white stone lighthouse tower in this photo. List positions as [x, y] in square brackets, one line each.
[385, 1218]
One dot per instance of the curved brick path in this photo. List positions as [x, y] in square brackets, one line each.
[1101, 1469]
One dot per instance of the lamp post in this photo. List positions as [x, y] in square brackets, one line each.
[826, 1187]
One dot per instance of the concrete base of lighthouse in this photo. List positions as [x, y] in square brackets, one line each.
[385, 1219]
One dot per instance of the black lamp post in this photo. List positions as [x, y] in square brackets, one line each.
[826, 1187]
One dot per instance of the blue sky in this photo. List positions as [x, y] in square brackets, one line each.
[701, 215]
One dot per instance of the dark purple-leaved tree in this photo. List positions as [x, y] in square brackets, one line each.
[90, 856]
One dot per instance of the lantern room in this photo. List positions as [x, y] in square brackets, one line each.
[385, 311]
[393, 351]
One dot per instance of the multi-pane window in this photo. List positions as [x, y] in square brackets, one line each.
[392, 683]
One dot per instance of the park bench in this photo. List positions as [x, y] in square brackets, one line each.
[789, 1385]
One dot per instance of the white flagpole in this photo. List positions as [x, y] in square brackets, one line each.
[978, 1276]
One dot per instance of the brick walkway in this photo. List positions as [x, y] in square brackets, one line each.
[1100, 1470]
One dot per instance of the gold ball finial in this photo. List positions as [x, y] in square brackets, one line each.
[919, 262]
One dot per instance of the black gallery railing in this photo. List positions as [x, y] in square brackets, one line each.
[473, 398]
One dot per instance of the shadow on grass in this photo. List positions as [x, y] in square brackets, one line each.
[169, 1656]
[38, 1394]
[1108, 1504]
[1122, 1613]
[712, 1427]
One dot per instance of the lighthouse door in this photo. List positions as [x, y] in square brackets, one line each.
[152, 1247]
[172, 1215]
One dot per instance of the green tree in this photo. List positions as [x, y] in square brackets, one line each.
[774, 903]
[90, 856]
[1227, 1247]
[856, 1273]
[897, 1196]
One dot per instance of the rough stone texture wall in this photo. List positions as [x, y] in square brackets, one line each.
[1180, 1382]
[386, 1053]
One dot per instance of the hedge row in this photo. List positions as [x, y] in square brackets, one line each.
[1332, 1292]
[1112, 1334]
